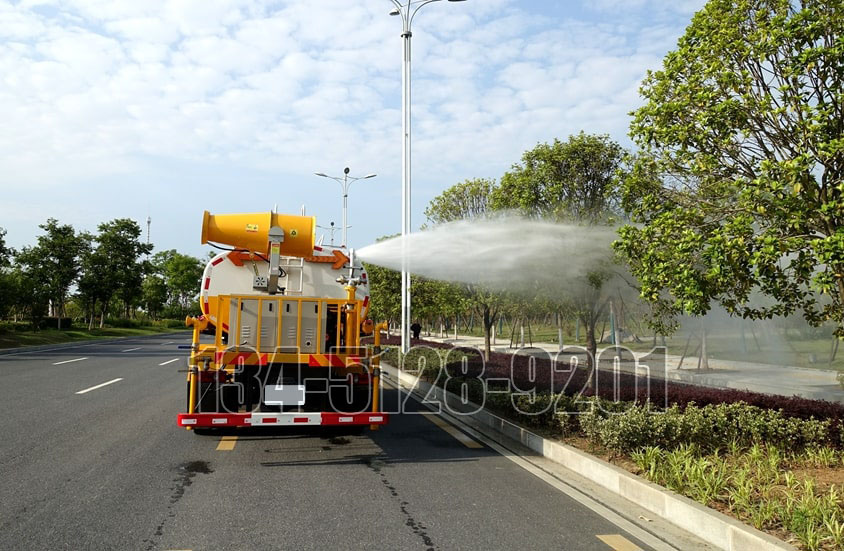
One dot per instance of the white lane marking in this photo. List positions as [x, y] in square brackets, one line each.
[69, 361]
[132, 349]
[84, 344]
[169, 361]
[168, 342]
[101, 385]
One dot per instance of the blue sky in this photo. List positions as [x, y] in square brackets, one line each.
[167, 108]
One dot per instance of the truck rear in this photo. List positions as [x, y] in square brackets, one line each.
[286, 321]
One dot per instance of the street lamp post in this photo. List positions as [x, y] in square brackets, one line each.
[407, 11]
[345, 182]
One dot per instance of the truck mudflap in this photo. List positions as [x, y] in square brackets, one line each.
[279, 419]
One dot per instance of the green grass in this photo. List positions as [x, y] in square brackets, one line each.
[16, 338]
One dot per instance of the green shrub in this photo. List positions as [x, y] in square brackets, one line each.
[710, 428]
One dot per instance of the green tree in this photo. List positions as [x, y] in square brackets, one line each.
[181, 274]
[573, 180]
[6, 253]
[53, 264]
[28, 298]
[113, 269]
[384, 292]
[120, 242]
[7, 290]
[471, 199]
[96, 285]
[154, 295]
[738, 190]
[435, 300]
[466, 200]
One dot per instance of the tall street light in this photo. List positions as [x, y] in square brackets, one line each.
[407, 11]
[345, 182]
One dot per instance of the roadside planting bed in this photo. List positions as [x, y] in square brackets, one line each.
[774, 462]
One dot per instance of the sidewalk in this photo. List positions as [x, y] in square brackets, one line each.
[818, 384]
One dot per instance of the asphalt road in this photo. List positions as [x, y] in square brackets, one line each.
[85, 466]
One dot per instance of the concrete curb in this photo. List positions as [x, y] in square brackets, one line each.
[708, 524]
[77, 344]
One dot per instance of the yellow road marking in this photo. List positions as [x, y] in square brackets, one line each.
[619, 543]
[451, 429]
[226, 443]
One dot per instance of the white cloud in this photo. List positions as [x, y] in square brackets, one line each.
[97, 90]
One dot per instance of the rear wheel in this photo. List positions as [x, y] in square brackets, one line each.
[206, 403]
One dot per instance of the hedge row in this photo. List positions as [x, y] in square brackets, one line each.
[629, 388]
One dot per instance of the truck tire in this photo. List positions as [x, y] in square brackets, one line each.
[206, 404]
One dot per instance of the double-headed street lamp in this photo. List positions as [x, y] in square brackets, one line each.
[407, 11]
[345, 182]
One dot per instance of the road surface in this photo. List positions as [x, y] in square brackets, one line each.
[92, 459]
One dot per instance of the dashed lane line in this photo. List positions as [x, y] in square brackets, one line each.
[169, 361]
[227, 443]
[70, 361]
[101, 385]
[132, 349]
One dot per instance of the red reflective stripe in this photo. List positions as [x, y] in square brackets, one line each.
[365, 301]
[207, 282]
[205, 308]
[245, 419]
[313, 361]
[218, 260]
[332, 418]
[317, 248]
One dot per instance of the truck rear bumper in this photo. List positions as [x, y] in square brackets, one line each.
[279, 419]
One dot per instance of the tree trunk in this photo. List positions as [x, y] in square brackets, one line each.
[592, 353]
[488, 321]
[703, 360]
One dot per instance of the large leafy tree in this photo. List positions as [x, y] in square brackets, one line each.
[471, 199]
[385, 292]
[119, 240]
[154, 294]
[181, 273]
[739, 188]
[114, 267]
[573, 180]
[466, 200]
[53, 264]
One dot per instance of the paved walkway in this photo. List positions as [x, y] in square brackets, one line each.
[766, 378]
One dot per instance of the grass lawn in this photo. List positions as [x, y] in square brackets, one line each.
[16, 338]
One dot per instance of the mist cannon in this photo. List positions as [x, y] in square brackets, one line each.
[251, 232]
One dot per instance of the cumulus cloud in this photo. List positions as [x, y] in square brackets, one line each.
[96, 90]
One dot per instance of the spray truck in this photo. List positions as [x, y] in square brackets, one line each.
[286, 318]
